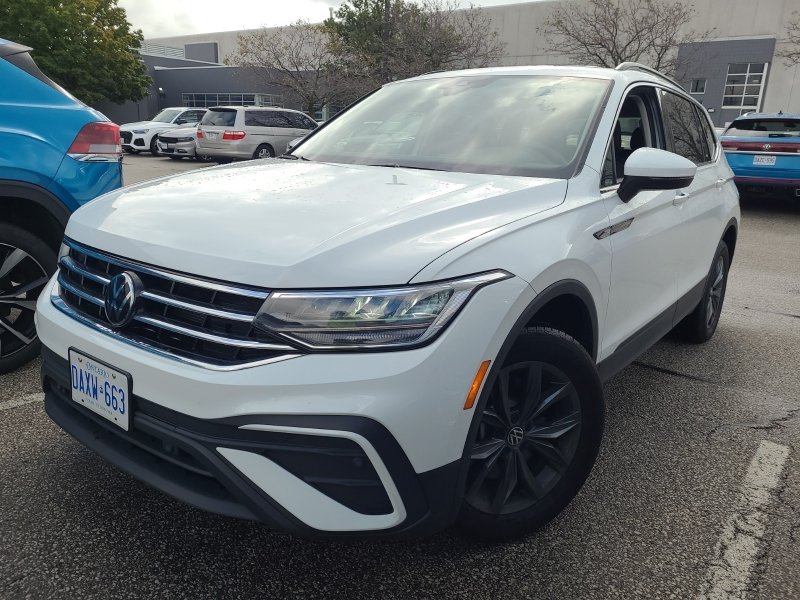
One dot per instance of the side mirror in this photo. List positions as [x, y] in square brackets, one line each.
[654, 169]
[180, 121]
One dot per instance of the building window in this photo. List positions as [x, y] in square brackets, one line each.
[744, 86]
[698, 86]
[201, 100]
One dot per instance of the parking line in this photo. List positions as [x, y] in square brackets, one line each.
[29, 399]
[735, 552]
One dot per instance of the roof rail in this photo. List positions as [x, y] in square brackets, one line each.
[634, 66]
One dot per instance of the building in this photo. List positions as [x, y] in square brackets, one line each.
[732, 71]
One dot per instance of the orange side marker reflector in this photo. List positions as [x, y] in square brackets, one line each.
[476, 384]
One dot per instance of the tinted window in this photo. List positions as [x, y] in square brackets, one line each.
[765, 128]
[221, 117]
[534, 125]
[300, 121]
[711, 139]
[687, 137]
[255, 118]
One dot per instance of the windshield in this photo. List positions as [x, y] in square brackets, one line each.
[498, 124]
[765, 128]
[166, 115]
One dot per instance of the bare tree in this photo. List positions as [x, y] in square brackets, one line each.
[790, 52]
[298, 58]
[608, 32]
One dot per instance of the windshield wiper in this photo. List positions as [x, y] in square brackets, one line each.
[396, 166]
[293, 157]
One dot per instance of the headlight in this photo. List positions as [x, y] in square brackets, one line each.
[369, 318]
[140, 130]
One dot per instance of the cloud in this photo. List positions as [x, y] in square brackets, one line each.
[162, 18]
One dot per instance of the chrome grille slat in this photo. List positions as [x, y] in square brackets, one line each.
[235, 342]
[167, 275]
[201, 322]
[79, 293]
[199, 308]
[83, 270]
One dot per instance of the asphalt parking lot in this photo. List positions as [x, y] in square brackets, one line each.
[696, 490]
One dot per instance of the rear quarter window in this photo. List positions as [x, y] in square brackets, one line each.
[219, 117]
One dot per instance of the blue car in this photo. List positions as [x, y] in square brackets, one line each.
[56, 154]
[763, 149]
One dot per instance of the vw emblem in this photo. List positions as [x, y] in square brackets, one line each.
[767, 146]
[120, 298]
[515, 435]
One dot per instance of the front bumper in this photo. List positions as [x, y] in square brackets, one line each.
[393, 421]
[176, 149]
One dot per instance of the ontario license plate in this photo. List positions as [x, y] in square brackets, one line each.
[212, 135]
[764, 160]
[100, 388]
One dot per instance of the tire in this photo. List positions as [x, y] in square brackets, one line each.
[538, 461]
[203, 157]
[154, 146]
[26, 264]
[264, 151]
[699, 326]
[176, 157]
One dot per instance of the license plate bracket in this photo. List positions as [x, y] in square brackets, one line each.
[101, 388]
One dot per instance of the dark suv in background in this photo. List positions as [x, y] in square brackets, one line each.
[56, 154]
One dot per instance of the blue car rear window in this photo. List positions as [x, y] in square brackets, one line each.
[765, 128]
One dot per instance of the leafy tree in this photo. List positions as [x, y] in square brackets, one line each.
[85, 45]
[412, 37]
[605, 33]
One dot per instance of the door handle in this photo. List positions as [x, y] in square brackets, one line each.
[720, 183]
[680, 198]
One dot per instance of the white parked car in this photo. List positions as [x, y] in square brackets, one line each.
[180, 143]
[142, 135]
[406, 323]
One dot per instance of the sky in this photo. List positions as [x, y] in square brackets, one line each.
[163, 18]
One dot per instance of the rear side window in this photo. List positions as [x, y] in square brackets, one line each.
[765, 128]
[300, 121]
[711, 139]
[256, 118]
[684, 129]
[220, 117]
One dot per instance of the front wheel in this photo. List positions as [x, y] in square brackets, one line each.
[26, 263]
[537, 437]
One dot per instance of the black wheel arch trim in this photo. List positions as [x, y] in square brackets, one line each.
[37, 195]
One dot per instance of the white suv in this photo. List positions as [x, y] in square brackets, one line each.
[405, 323]
[143, 135]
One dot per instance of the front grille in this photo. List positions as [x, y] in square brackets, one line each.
[197, 320]
[168, 140]
[126, 136]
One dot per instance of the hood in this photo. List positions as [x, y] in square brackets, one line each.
[292, 224]
[183, 132]
[145, 125]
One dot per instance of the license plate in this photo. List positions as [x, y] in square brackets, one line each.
[100, 388]
[763, 160]
[212, 135]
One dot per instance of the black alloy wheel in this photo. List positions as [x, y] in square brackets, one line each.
[527, 438]
[701, 324]
[26, 264]
[537, 436]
